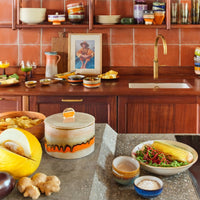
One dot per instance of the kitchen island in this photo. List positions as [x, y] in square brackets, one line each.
[90, 178]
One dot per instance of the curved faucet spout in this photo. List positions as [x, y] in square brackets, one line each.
[155, 62]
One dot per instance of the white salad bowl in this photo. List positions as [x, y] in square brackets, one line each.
[166, 171]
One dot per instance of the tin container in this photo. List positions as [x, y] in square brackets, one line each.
[138, 12]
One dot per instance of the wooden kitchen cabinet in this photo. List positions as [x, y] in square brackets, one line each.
[103, 108]
[158, 114]
[10, 103]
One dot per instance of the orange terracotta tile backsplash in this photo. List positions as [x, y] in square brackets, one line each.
[120, 47]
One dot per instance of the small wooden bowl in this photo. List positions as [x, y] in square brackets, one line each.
[37, 130]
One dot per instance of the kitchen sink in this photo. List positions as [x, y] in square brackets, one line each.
[159, 85]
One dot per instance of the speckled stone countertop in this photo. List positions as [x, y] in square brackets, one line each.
[90, 178]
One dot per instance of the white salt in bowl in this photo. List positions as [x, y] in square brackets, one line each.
[148, 186]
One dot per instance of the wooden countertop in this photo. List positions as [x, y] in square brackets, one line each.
[110, 87]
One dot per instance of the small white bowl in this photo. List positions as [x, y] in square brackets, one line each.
[32, 15]
[45, 81]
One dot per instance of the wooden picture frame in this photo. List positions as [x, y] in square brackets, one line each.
[85, 53]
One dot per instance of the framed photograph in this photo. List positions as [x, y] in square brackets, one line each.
[85, 53]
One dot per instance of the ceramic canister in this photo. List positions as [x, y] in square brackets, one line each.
[138, 12]
[69, 138]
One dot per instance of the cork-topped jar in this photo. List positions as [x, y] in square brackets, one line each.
[69, 135]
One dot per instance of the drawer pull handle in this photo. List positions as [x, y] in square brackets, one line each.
[1, 99]
[72, 100]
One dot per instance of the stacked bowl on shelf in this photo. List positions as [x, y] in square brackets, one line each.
[76, 12]
[197, 61]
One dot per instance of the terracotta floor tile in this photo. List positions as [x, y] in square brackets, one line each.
[187, 55]
[29, 52]
[171, 36]
[47, 34]
[44, 49]
[122, 55]
[144, 55]
[29, 36]
[122, 36]
[31, 3]
[172, 57]
[190, 36]
[144, 36]
[10, 53]
[6, 11]
[123, 8]
[105, 55]
[8, 36]
[102, 7]
[105, 35]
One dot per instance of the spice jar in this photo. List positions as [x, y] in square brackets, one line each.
[159, 16]
[148, 16]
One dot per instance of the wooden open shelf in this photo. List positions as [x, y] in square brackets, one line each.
[17, 25]
[100, 26]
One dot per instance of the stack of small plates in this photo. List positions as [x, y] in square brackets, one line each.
[108, 19]
[76, 12]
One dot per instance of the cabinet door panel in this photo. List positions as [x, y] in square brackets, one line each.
[161, 118]
[186, 118]
[137, 118]
[10, 103]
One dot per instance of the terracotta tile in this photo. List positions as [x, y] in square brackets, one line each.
[190, 36]
[144, 55]
[172, 57]
[47, 34]
[144, 36]
[10, 53]
[29, 52]
[122, 35]
[29, 36]
[171, 36]
[6, 11]
[31, 3]
[122, 55]
[45, 48]
[123, 8]
[105, 35]
[8, 36]
[53, 5]
[102, 7]
[187, 55]
[105, 55]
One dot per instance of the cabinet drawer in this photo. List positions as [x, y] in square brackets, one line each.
[10, 103]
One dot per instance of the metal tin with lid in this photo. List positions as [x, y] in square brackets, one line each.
[69, 138]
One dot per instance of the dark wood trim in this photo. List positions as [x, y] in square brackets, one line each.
[100, 26]
[5, 25]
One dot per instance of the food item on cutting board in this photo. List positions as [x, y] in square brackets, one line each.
[40, 182]
[14, 78]
[7, 184]
[20, 152]
[65, 75]
[109, 75]
[18, 122]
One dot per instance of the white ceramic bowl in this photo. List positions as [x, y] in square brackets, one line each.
[32, 15]
[166, 171]
[108, 19]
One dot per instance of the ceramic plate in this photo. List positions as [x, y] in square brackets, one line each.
[110, 78]
[166, 171]
[10, 84]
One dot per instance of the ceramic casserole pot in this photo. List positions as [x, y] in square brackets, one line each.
[69, 138]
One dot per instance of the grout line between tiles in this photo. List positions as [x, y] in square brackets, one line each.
[110, 46]
[179, 48]
[133, 46]
[41, 45]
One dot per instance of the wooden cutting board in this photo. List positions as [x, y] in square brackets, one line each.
[60, 45]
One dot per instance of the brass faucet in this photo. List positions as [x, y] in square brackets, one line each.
[155, 61]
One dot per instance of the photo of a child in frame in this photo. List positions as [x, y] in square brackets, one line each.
[84, 54]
